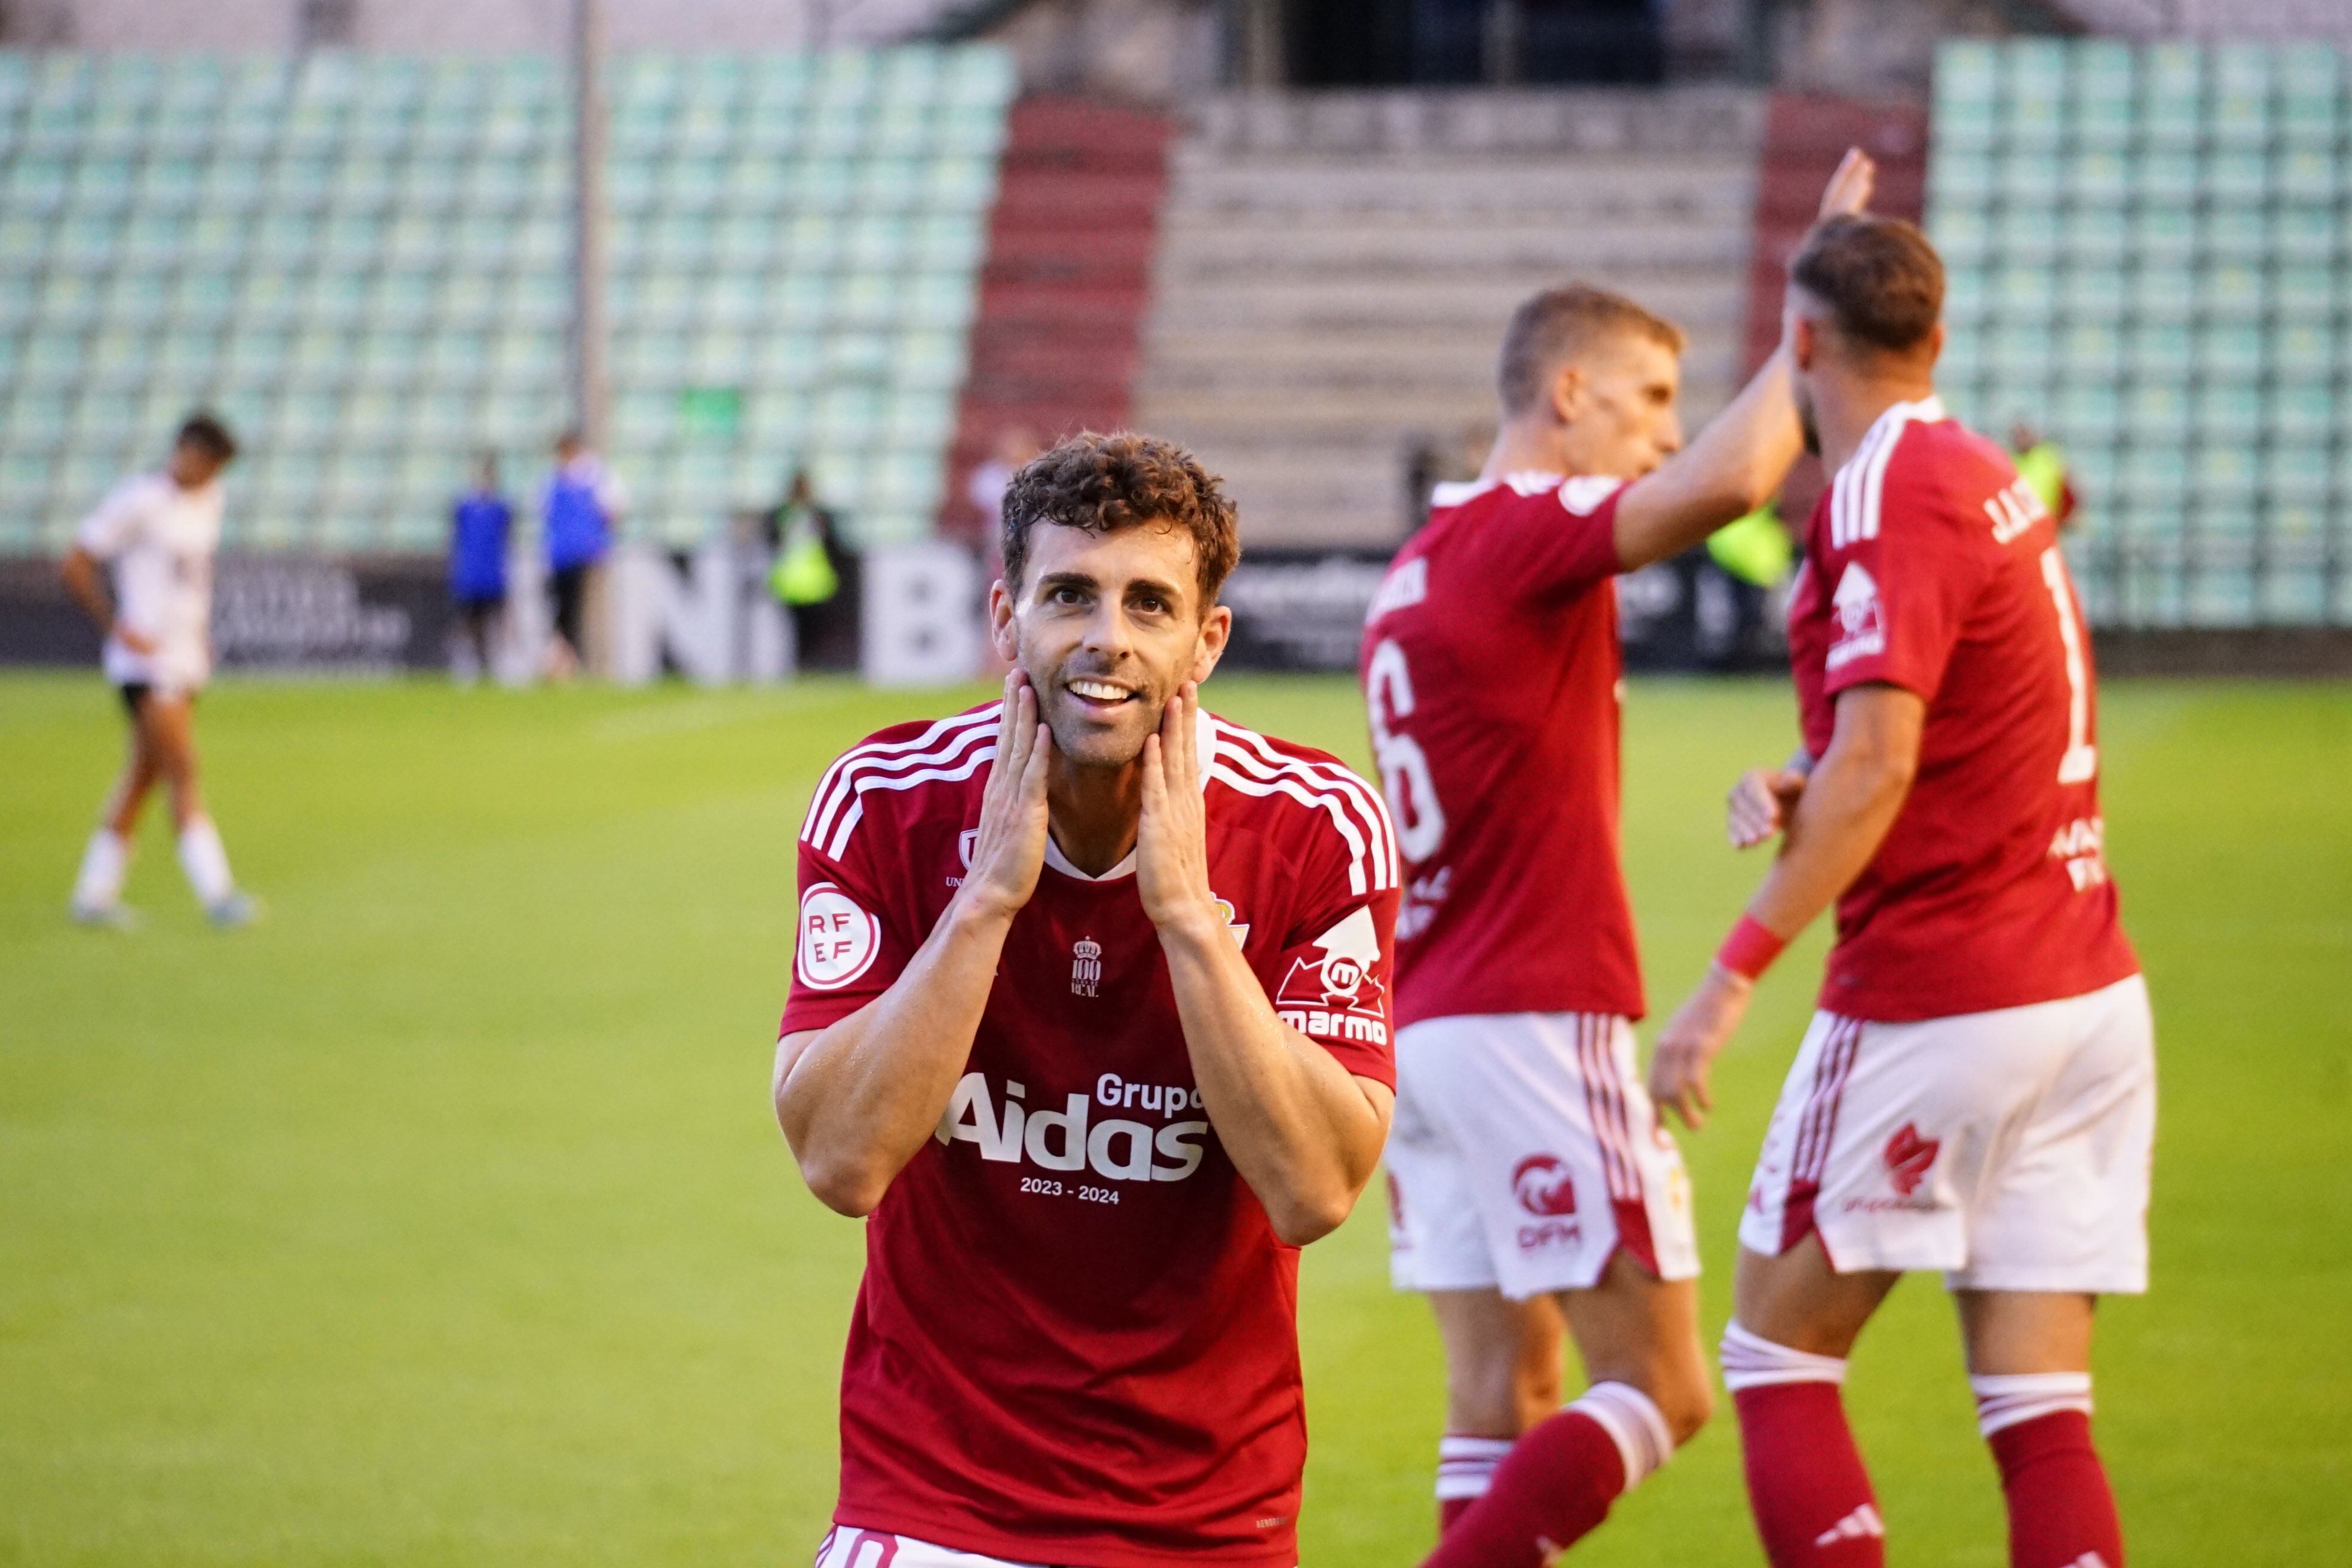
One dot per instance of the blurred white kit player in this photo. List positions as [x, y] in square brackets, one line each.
[154, 536]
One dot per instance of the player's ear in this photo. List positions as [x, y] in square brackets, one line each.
[1804, 340]
[1568, 394]
[1936, 341]
[1216, 631]
[1002, 635]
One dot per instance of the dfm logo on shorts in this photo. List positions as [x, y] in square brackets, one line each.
[1071, 1138]
[1546, 1187]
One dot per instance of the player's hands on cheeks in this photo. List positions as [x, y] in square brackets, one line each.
[1759, 803]
[1691, 1041]
[1848, 191]
[1009, 852]
[1171, 843]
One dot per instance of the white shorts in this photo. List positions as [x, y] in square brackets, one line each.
[2008, 1149]
[1524, 1152]
[846, 1546]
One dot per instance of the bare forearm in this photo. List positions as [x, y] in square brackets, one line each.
[1298, 1126]
[861, 1097]
[1730, 469]
[1849, 802]
[82, 586]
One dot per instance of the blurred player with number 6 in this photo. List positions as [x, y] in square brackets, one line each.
[1534, 1194]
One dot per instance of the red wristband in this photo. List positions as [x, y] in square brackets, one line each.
[1750, 948]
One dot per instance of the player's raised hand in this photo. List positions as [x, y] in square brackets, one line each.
[1171, 845]
[1691, 1041]
[1848, 191]
[1009, 851]
[1759, 806]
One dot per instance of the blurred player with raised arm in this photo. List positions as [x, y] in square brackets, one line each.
[1090, 1016]
[1976, 1094]
[155, 535]
[1533, 1192]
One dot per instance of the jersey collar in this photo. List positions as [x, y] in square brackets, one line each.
[1205, 744]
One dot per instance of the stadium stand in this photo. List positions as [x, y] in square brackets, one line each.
[1058, 342]
[363, 260]
[1337, 268]
[2148, 257]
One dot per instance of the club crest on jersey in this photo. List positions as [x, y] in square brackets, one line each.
[837, 940]
[1085, 966]
[1337, 996]
[1860, 628]
[1235, 927]
[1544, 1185]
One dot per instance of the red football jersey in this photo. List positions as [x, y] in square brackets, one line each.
[1930, 566]
[1492, 669]
[1075, 1342]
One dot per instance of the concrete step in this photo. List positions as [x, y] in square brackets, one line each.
[1195, 246]
[1461, 187]
[1480, 306]
[1483, 120]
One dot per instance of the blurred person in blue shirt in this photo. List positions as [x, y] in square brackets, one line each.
[577, 516]
[480, 527]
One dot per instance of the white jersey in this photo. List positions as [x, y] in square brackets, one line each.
[159, 539]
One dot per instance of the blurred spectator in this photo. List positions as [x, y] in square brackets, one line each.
[816, 576]
[2041, 463]
[480, 525]
[1751, 556]
[582, 505]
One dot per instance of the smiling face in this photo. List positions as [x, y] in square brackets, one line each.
[1106, 626]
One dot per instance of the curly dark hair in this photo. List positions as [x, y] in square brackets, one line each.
[1103, 483]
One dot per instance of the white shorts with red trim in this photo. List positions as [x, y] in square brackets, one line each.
[2009, 1149]
[1524, 1152]
[846, 1546]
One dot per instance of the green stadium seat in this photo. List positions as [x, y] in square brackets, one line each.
[2302, 410]
[2231, 410]
[2225, 349]
[2025, 236]
[2167, 180]
[2092, 351]
[2297, 471]
[2163, 292]
[961, 183]
[2241, 178]
[2233, 291]
[2305, 233]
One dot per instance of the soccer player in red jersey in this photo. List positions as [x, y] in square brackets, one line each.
[1534, 1194]
[1090, 1017]
[1978, 1092]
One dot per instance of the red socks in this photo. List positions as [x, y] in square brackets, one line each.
[1812, 1496]
[2061, 1514]
[1806, 1484]
[1559, 1481]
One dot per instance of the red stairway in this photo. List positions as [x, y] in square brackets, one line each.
[1058, 337]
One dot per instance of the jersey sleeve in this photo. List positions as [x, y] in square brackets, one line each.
[1556, 543]
[849, 946]
[1899, 576]
[1337, 964]
[113, 527]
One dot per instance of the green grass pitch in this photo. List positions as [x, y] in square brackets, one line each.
[440, 1219]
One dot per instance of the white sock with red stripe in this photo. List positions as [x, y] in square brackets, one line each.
[1465, 1468]
[1559, 1481]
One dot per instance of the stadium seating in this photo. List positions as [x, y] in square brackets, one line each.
[365, 261]
[2148, 257]
[1336, 269]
